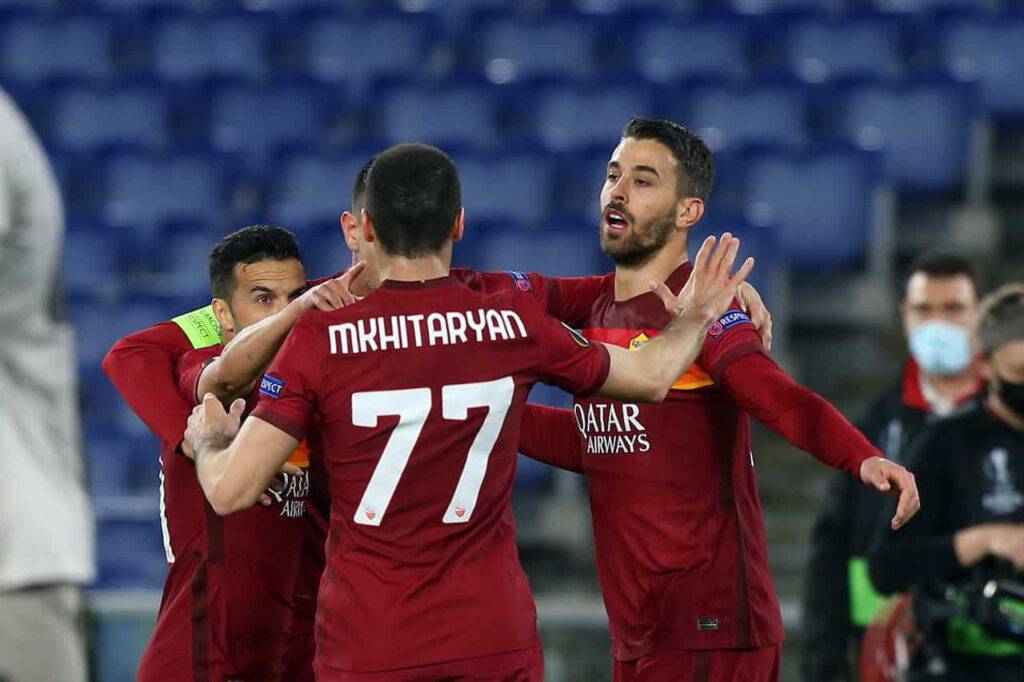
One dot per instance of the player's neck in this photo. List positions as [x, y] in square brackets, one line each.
[421, 269]
[633, 281]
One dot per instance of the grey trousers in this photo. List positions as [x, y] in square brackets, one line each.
[41, 634]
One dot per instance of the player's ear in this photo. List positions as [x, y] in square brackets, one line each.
[368, 230]
[222, 311]
[459, 230]
[348, 229]
[689, 211]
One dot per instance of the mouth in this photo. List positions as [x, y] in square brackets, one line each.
[615, 221]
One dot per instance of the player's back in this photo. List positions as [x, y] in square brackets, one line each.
[419, 390]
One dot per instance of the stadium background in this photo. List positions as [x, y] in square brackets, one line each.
[849, 135]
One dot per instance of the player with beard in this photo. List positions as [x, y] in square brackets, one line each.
[418, 389]
[679, 529]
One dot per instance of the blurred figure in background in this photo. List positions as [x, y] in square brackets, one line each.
[974, 463]
[46, 527]
[939, 311]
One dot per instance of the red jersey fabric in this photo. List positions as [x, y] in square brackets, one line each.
[678, 523]
[418, 389]
[234, 582]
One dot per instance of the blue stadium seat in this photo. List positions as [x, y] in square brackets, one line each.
[130, 551]
[732, 117]
[98, 326]
[460, 115]
[121, 463]
[574, 118]
[578, 183]
[37, 50]
[312, 189]
[258, 121]
[86, 120]
[357, 51]
[920, 7]
[757, 7]
[141, 5]
[758, 241]
[323, 250]
[617, 6]
[184, 262]
[922, 130]
[513, 187]
[819, 50]
[199, 48]
[991, 53]
[144, 191]
[556, 250]
[94, 258]
[514, 49]
[666, 50]
[820, 201]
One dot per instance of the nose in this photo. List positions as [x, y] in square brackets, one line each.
[619, 193]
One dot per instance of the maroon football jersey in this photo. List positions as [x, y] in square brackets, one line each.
[231, 591]
[678, 525]
[418, 391]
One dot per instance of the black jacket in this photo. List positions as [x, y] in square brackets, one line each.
[844, 531]
[975, 475]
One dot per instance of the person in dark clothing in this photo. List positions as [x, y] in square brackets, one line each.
[974, 472]
[939, 309]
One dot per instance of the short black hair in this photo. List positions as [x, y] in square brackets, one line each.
[359, 189]
[413, 197]
[248, 245]
[943, 264]
[694, 162]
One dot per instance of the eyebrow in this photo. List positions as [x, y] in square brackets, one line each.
[298, 292]
[641, 168]
[260, 288]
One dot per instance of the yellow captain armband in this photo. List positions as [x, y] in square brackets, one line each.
[200, 326]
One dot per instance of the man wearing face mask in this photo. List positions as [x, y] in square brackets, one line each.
[975, 465]
[939, 309]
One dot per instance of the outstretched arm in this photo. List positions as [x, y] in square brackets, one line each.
[647, 374]
[141, 366]
[235, 465]
[760, 387]
[549, 435]
[245, 359]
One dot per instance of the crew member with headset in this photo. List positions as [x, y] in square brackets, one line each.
[938, 311]
[971, 527]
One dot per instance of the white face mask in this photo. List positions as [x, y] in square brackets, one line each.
[941, 347]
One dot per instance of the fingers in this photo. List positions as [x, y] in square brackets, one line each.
[212, 405]
[666, 296]
[289, 468]
[745, 269]
[909, 500]
[237, 408]
[704, 253]
[729, 247]
[265, 500]
[353, 272]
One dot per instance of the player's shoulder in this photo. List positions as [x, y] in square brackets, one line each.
[198, 357]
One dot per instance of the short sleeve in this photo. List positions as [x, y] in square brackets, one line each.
[190, 369]
[288, 389]
[567, 359]
[729, 338]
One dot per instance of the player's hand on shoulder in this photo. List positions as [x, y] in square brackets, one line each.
[753, 305]
[712, 286]
[334, 293]
[897, 482]
[210, 427]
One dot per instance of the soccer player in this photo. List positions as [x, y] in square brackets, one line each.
[418, 390]
[238, 589]
[679, 529]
